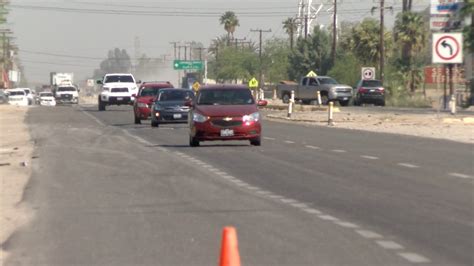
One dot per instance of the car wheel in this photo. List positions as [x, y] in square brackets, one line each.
[382, 103]
[256, 142]
[154, 123]
[344, 103]
[193, 142]
[101, 105]
[285, 98]
[137, 120]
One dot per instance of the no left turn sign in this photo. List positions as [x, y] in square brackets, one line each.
[368, 73]
[447, 48]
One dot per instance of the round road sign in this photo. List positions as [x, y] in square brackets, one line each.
[447, 48]
[368, 73]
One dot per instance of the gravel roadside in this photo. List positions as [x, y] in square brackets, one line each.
[16, 151]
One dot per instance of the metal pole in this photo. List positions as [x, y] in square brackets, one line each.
[334, 33]
[330, 114]
[290, 104]
[445, 89]
[319, 98]
[382, 40]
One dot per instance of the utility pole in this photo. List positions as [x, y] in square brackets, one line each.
[260, 31]
[237, 41]
[381, 38]
[334, 34]
[174, 46]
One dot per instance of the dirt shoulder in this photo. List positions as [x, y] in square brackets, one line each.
[15, 160]
[421, 123]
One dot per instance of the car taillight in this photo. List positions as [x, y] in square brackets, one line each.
[363, 90]
[381, 90]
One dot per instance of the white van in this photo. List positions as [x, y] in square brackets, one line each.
[17, 97]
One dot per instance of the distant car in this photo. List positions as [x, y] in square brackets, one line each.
[369, 91]
[46, 99]
[3, 97]
[169, 106]
[30, 95]
[17, 97]
[145, 97]
[224, 112]
[67, 94]
[117, 89]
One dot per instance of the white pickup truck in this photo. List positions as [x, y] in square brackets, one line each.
[117, 89]
[67, 93]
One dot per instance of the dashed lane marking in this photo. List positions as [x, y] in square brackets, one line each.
[339, 151]
[268, 138]
[312, 147]
[288, 201]
[300, 205]
[369, 157]
[368, 234]
[389, 244]
[347, 224]
[328, 218]
[408, 165]
[413, 257]
[275, 196]
[289, 142]
[93, 118]
[312, 211]
[460, 175]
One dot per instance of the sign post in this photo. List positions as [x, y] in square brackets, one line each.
[447, 49]
[188, 65]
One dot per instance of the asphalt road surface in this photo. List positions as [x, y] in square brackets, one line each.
[108, 192]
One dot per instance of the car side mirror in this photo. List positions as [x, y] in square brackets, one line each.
[262, 103]
[99, 82]
[188, 103]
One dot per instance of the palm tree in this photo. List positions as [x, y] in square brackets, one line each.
[410, 34]
[230, 22]
[290, 26]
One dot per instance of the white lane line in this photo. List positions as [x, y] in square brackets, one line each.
[252, 188]
[268, 138]
[312, 211]
[368, 234]
[275, 196]
[369, 157]
[339, 151]
[289, 201]
[93, 118]
[312, 147]
[220, 173]
[328, 217]
[408, 165]
[347, 224]
[263, 192]
[389, 244]
[413, 257]
[207, 166]
[289, 142]
[460, 175]
[300, 205]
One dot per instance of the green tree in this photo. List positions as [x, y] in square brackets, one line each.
[290, 26]
[312, 53]
[117, 61]
[468, 10]
[275, 61]
[346, 70]
[366, 42]
[230, 22]
[410, 34]
[233, 64]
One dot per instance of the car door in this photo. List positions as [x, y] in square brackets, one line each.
[311, 88]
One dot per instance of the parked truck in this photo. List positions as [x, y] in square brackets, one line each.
[306, 90]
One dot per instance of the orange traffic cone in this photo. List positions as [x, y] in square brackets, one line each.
[230, 249]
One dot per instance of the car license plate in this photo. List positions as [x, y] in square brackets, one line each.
[177, 116]
[227, 132]
[345, 98]
[372, 90]
[119, 99]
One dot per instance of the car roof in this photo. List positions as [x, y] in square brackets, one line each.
[174, 89]
[224, 86]
[117, 74]
[165, 85]
[18, 89]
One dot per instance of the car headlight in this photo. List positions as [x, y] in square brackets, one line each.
[251, 117]
[199, 118]
[142, 105]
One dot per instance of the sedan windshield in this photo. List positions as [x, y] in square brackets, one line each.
[174, 95]
[16, 93]
[372, 83]
[225, 97]
[150, 91]
[119, 78]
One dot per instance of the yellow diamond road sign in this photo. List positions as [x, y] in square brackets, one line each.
[311, 74]
[253, 83]
[196, 86]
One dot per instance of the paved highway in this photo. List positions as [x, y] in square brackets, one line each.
[108, 192]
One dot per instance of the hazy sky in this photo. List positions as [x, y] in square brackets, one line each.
[45, 29]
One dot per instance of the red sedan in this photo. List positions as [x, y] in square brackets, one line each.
[146, 95]
[225, 112]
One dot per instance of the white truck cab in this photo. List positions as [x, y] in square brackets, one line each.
[67, 93]
[17, 97]
[117, 89]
